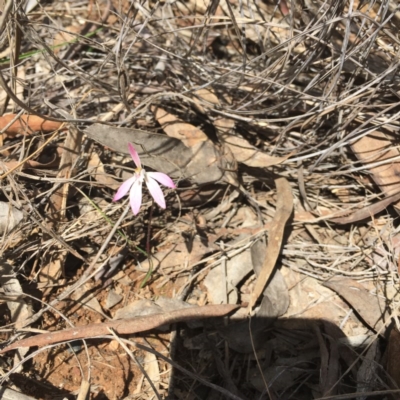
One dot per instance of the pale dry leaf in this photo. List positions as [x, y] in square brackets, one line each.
[237, 267]
[112, 299]
[153, 370]
[10, 217]
[9, 394]
[241, 149]
[138, 308]
[189, 134]
[207, 96]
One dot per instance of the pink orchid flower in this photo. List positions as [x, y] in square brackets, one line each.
[134, 185]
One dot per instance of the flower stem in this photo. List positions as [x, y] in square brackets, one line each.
[150, 271]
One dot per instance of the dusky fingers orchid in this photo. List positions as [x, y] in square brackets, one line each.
[134, 185]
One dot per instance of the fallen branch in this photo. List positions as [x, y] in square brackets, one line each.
[125, 326]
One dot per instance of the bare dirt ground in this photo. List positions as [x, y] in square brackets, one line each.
[272, 270]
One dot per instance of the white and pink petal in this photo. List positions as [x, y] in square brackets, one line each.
[162, 178]
[124, 188]
[155, 191]
[135, 156]
[135, 196]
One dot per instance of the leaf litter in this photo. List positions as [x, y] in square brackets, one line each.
[277, 123]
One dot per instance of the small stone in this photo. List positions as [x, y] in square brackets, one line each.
[112, 299]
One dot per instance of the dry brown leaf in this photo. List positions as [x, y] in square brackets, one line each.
[329, 370]
[176, 128]
[377, 147]
[365, 212]
[275, 301]
[367, 374]
[284, 208]
[241, 149]
[392, 354]
[374, 314]
[26, 124]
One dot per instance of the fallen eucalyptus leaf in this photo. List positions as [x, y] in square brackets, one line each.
[201, 163]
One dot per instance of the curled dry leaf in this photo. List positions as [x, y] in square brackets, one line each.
[189, 134]
[26, 124]
[373, 149]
